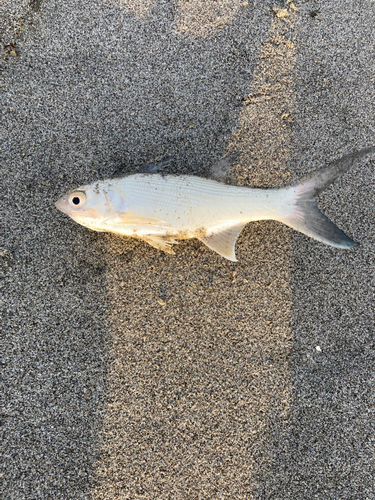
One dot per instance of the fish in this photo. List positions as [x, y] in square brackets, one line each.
[162, 210]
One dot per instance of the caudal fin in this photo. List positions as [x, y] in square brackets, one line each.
[304, 215]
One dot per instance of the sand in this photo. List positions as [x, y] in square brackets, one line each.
[131, 374]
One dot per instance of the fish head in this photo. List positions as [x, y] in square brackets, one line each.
[88, 205]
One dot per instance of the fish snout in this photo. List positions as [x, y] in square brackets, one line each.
[62, 204]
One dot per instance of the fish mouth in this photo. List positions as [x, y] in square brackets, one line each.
[62, 204]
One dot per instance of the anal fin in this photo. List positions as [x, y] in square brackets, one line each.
[223, 241]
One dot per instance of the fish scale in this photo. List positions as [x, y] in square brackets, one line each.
[188, 194]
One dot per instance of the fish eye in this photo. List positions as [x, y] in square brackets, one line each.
[77, 199]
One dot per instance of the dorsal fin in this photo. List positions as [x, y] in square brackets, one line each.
[223, 240]
[220, 169]
[157, 167]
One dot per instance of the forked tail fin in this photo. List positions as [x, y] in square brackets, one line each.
[302, 212]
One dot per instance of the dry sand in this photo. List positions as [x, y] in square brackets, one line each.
[130, 374]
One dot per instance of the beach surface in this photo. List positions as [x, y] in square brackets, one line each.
[127, 373]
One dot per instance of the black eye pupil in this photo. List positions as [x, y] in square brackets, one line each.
[76, 200]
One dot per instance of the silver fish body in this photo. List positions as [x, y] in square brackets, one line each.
[165, 209]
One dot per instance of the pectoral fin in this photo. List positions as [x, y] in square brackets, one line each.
[164, 243]
[223, 241]
[131, 219]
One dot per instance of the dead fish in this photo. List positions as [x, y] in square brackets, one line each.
[163, 209]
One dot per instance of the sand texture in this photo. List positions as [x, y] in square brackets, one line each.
[130, 374]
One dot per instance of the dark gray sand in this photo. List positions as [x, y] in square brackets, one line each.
[131, 374]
